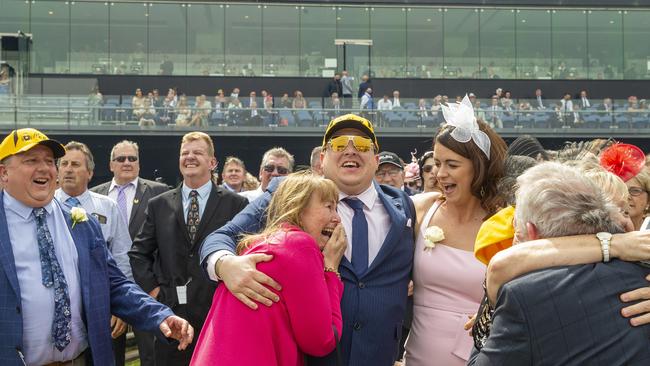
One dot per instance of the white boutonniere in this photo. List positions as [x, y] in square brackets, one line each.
[78, 214]
[433, 235]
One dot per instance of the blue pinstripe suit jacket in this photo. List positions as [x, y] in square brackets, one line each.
[104, 291]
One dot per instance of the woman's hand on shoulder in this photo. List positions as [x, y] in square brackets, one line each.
[335, 247]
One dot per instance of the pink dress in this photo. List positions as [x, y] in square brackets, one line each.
[300, 323]
[447, 289]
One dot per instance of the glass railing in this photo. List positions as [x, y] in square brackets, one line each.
[78, 112]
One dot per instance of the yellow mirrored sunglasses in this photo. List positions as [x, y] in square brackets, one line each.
[340, 143]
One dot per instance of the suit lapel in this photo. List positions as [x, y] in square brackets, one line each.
[395, 210]
[177, 204]
[140, 190]
[208, 211]
[7, 260]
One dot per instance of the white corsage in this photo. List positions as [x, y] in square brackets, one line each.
[433, 235]
[78, 214]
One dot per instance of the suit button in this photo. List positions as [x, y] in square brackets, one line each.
[191, 255]
[357, 326]
[18, 309]
[362, 285]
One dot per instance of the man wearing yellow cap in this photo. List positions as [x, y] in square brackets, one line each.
[378, 222]
[58, 283]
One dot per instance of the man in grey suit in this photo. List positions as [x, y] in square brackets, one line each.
[132, 194]
[567, 315]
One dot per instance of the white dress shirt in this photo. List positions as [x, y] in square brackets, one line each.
[128, 191]
[252, 195]
[384, 105]
[376, 216]
[37, 301]
[115, 233]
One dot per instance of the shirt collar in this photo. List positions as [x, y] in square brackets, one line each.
[20, 208]
[64, 196]
[203, 191]
[368, 197]
[134, 183]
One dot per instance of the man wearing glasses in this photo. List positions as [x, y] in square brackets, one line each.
[378, 221]
[391, 171]
[132, 194]
[276, 162]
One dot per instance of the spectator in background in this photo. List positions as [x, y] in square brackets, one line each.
[435, 105]
[396, 103]
[168, 115]
[148, 117]
[607, 107]
[423, 111]
[276, 162]
[285, 101]
[494, 113]
[346, 84]
[299, 101]
[166, 67]
[220, 100]
[183, 112]
[233, 175]
[428, 172]
[384, 104]
[250, 182]
[566, 109]
[365, 84]
[334, 86]
[234, 112]
[235, 93]
[584, 102]
[5, 80]
[539, 100]
[390, 171]
[95, 102]
[156, 100]
[137, 103]
[314, 160]
[132, 194]
[367, 102]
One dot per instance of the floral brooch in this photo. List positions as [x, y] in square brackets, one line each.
[433, 235]
[78, 214]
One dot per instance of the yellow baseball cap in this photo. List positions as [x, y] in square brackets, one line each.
[21, 140]
[350, 121]
[495, 234]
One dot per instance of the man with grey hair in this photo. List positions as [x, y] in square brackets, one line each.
[132, 195]
[565, 315]
[276, 162]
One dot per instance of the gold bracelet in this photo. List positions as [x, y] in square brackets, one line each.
[333, 270]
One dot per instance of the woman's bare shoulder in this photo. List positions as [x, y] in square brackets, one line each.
[423, 201]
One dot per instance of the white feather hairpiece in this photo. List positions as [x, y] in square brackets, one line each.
[461, 116]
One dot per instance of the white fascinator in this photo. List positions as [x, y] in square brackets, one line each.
[461, 116]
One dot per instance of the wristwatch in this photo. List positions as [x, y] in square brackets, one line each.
[605, 239]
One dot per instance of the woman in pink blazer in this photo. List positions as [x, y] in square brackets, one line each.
[307, 242]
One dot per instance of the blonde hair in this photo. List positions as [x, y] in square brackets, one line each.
[197, 135]
[289, 201]
[644, 179]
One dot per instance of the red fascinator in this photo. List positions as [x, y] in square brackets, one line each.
[624, 160]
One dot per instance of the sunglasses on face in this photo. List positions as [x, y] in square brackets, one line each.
[121, 159]
[269, 168]
[427, 168]
[340, 143]
[413, 184]
[635, 192]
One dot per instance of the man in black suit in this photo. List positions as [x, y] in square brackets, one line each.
[132, 194]
[567, 315]
[176, 223]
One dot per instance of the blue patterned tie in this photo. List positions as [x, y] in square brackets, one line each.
[359, 236]
[73, 202]
[53, 277]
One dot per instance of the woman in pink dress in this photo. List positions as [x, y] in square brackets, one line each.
[302, 221]
[447, 278]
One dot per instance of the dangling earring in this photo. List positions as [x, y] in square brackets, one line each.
[482, 192]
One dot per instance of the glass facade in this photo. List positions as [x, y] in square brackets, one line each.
[238, 39]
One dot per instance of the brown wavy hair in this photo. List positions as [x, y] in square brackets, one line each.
[487, 173]
[289, 201]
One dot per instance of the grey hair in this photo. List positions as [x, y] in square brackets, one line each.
[561, 201]
[123, 143]
[315, 156]
[278, 152]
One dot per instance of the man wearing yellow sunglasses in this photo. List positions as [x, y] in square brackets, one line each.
[378, 222]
